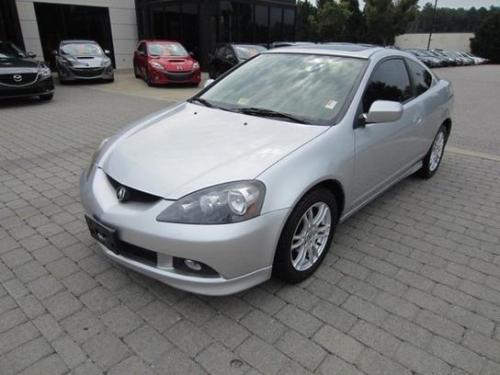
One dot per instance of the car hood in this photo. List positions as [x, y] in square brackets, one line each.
[176, 63]
[18, 65]
[193, 147]
[86, 61]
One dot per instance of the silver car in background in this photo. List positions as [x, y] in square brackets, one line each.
[250, 177]
[83, 60]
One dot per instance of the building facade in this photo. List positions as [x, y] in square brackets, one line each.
[446, 41]
[201, 24]
[39, 25]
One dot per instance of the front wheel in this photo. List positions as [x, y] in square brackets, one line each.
[306, 237]
[46, 97]
[432, 160]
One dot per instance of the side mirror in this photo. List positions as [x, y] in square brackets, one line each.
[107, 52]
[191, 54]
[383, 111]
[208, 82]
[54, 52]
[31, 55]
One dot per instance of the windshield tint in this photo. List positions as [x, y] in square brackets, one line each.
[82, 49]
[311, 87]
[246, 52]
[166, 49]
[9, 51]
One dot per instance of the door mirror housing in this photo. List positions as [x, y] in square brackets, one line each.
[107, 52]
[54, 52]
[31, 55]
[382, 111]
[208, 82]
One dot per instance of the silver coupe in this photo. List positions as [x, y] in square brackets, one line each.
[249, 178]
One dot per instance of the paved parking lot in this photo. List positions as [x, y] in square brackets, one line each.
[411, 286]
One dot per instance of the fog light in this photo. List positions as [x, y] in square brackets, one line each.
[191, 264]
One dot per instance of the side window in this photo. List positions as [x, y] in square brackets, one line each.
[220, 53]
[422, 78]
[389, 81]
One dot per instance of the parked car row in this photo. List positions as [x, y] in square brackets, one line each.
[438, 58]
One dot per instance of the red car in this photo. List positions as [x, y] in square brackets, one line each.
[160, 62]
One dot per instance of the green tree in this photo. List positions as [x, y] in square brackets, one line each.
[331, 20]
[486, 43]
[387, 18]
[355, 29]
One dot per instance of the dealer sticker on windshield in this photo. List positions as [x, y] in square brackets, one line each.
[331, 104]
[243, 101]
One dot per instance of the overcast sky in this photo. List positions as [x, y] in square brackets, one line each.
[459, 3]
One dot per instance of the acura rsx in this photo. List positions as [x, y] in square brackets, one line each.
[249, 178]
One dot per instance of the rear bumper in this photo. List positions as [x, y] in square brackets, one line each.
[40, 87]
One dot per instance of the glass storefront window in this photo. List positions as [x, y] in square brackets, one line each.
[288, 24]
[261, 24]
[276, 24]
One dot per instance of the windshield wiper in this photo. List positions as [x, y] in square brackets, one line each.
[270, 113]
[202, 101]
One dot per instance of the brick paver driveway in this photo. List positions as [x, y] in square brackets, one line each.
[411, 286]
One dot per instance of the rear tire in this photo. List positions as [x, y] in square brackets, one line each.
[433, 159]
[306, 239]
[147, 78]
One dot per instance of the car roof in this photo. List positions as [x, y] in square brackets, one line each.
[364, 51]
[158, 41]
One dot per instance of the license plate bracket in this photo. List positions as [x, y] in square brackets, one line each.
[102, 233]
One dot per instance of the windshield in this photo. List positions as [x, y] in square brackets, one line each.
[10, 51]
[166, 49]
[245, 52]
[310, 87]
[82, 49]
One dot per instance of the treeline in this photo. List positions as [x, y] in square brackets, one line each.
[380, 20]
[449, 20]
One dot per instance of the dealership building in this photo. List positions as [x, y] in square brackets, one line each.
[117, 25]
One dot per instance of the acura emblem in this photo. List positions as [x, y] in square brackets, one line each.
[122, 194]
[17, 77]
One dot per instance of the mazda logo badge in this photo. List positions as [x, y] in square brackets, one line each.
[122, 194]
[17, 77]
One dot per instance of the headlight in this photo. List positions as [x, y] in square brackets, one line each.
[45, 71]
[157, 65]
[106, 62]
[196, 66]
[69, 60]
[221, 204]
[95, 157]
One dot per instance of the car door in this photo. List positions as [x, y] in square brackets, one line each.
[384, 151]
[423, 80]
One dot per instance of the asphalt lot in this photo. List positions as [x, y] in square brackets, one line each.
[411, 285]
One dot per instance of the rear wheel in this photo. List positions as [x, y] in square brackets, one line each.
[306, 237]
[432, 160]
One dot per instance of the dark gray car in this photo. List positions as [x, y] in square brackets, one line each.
[83, 60]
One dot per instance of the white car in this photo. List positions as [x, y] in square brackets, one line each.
[250, 177]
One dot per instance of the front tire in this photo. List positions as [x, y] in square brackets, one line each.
[433, 159]
[306, 237]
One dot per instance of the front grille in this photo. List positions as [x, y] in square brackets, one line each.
[179, 77]
[13, 79]
[137, 253]
[134, 194]
[87, 72]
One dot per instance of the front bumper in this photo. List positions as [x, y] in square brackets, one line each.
[164, 77]
[67, 73]
[241, 253]
[39, 87]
